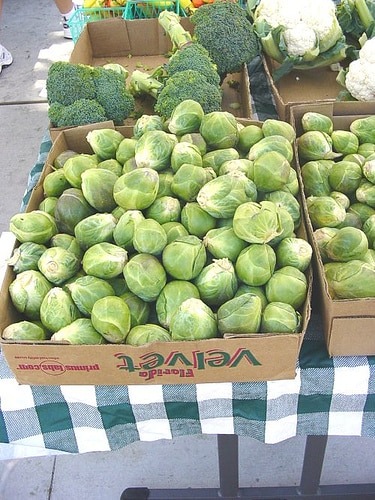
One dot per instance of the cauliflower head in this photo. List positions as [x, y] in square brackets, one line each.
[360, 76]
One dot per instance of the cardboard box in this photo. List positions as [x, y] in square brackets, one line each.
[301, 87]
[349, 325]
[242, 358]
[142, 44]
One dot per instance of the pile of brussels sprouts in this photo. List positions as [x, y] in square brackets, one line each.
[338, 173]
[187, 230]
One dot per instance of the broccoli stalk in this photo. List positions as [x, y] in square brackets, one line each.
[141, 83]
[170, 22]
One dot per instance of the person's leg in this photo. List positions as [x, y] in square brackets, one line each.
[5, 56]
[66, 9]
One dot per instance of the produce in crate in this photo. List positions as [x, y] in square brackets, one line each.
[356, 18]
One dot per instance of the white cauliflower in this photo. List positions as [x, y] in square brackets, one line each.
[300, 39]
[360, 77]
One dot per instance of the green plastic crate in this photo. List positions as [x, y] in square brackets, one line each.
[82, 16]
[147, 9]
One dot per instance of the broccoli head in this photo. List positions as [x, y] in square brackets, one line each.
[188, 84]
[81, 112]
[224, 29]
[67, 82]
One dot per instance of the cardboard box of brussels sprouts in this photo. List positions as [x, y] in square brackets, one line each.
[142, 44]
[252, 357]
[349, 324]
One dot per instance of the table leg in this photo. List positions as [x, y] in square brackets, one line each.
[312, 464]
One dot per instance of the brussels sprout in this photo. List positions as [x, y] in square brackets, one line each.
[287, 201]
[80, 331]
[186, 117]
[61, 158]
[221, 196]
[110, 316]
[256, 264]
[48, 205]
[351, 220]
[139, 309]
[350, 280]
[324, 211]
[112, 165]
[165, 181]
[254, 290]
[24, 330]
[54, 183]
[365, 193]
[292, 186]
[344, 142]
[248, 136]
[71, 207]
[315, 175]
[217, 282]
[97, 188]
[295, 252]
[58, 264]
[154, 149]
[368, 169]
[275, 143]
[146, 334]
[73, 168]
[222, 242]
[104, 260]
[117, 212]
[119, 285]
[271, 171]
[124, 231]
[219, 129]
[239, 165]
[279, 317]
[129, 165]
[86, 290]
[164, 209]
[364, 129]
[341, 198]
[58, 309]
[196, 220]
[356, 158]
[366, 149]
[171, 297]
[257, 222]
[94, 229]
[272, 127]
[217, 157]
[185, 152]
[145, 276]
[188, 180]
[104, 142]
[369, 257]
[35, 226]
[316, 145]
[68, 242]
[149, 237]
[27, 292]
[322, 236]
[185, 257]
[174, 230]
[362, 210]
[137, 189]
[240, 315]
[147, 122]
[345, 176]
[287, 284]
[197, 139]
[26, 257]
[347, 244]
[193, 320]
[369, 229]
[316, 121]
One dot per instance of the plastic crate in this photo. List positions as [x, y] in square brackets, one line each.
[82, 16]
[147, 9]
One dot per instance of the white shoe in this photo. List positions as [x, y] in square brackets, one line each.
[6, 58]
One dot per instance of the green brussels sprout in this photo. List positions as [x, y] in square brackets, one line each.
[24, 330]
[271, 171]
[197, 139]
[345, 176]
[165, 181]
[364, 129]
[117, 212]
[222, 242]
[279, 317]
[26, 256]
[287, 284]
[219, 129]
[272, 127]
[322, 236]
[58, 264]
[104, 142]
[185, 257]
[112, 165]
[94, 229]
[316, 121]
[136, 190]
[193, 320]
[368, 169]
[294, 251]
[347, 244]
[154, 149]
[354, 279]
[104, 260]
[256, 264]
[110, 316]
[254, 290]
[188, 180]
[119, 285]
[315, 145]
[186, 117]
[124, 231]
[97, 188]
[275, 143]
[35, 226]
[217, 282]
[61, 158]
[365, 193]
[369, 257]
[171, 297]
[71, 207]
[248, 136]
[196, 220]
[221, 196]
[351, 220]
[240, 315]
[292, 186]
[58, 309]
[146, 334]
[344, 142]
[185, 152]
[86, 290]
[258, 222]
[164, 209]
[315, 175]
[149, 237]
[145, 276]
[27, 292]
[75, 166]
[147, 122]
[174, 230]
[341, 198]
[287, 201]
[68, 242]
[239, 165]
[54, 183]
[129, 165]
[48, 205]
[368, 228]
[324, 211]
[366, 149]
[362, 210]
[217, 157]
[139, 309]
[79, 332]
[356, 158]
